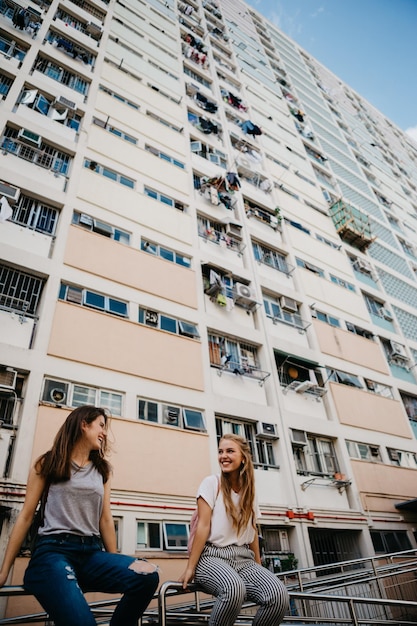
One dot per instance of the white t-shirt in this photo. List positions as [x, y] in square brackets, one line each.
[222, 532]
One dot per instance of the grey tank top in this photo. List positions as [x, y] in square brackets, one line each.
[75, 506]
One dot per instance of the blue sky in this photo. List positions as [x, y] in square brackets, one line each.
[370, 44]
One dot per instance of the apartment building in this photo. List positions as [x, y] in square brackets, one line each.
[205, 231]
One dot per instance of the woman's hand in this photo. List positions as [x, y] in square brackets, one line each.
[186, 577]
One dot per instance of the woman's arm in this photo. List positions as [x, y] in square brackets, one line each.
[34, 489]
[201, 535]
[254, 546]
[107, 531]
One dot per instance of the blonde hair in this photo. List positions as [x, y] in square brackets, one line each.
[246, 514]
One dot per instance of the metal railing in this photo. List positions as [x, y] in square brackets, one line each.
[374, 591]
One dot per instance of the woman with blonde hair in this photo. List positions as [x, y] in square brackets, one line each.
[76, 547]
[225, 558]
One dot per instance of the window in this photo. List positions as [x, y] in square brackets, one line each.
[292, 369]
[103, 228]
[362, 332]
[387, 541]
[162, 121]
[156, 195]
[35, 215]
[344, 378]
[272, 258]
[19, 291]
[108, 173]
[175, 535]
[375, 307]
[61, 75]
[283, 310]
[410, 405]
[161, 535]
[182, 417]
[262, 450]
[209, 153]
[120, 133]
[39, 153]
[164, 156]
[402, 458]
[317, 457]
[310, 267]
[325, 317]
[148, 536]
[170, 324]
[165, 253]
[226, 235]
[298, 226]
[379, 388]
[66, 393]
[328, 242]
[342, 283]
[51, 107]
[232, 355]
[92, 299]
[363, 451]
[118, 97]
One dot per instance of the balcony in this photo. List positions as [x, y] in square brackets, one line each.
[63, 76]
[352, 225]
[90, 29]
[30, 147]
[12, 52]
[271, 219]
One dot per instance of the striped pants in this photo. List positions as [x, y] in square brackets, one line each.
[232, 575]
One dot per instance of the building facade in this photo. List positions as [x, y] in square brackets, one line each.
[206, 231]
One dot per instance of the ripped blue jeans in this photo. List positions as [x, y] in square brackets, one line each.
[64, 566]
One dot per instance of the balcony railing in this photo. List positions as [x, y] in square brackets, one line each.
[47, 157]
[241, 368]
[61, 75]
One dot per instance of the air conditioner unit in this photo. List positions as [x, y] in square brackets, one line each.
[234, 230]
[55, 391]
[363, 266]
[398, 350]
[214, 158]
[298, 437]
[327, 196]
[288, 304]
[7, 378]
[386, 314]
[243, 294]
[394, 455]
[304, 386]
[61, 101]
[266, 431]
[9, 192]
[171, 415]
[28, 137]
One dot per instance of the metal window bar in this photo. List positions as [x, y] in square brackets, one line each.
[5, 83]
[46, 156]
[19, 291]
[65, 77]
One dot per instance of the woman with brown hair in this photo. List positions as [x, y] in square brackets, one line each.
[75, 550]
[224, 558]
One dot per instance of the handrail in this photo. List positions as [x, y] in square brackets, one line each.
[170, 588]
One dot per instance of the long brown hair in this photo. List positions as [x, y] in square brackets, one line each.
[55, 465]
[246, 514]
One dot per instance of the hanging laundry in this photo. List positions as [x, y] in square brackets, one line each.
[233, 181]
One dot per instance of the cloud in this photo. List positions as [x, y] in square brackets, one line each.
[412, 132]
[317, 12]
[289, 23]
